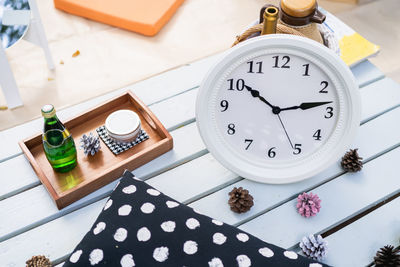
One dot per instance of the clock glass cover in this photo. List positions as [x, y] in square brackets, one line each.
[276, 107]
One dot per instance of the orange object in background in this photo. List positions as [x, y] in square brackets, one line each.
[143, 16]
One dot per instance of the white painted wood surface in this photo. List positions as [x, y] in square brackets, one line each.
[373, 231]
[179, 110]
[366, 73]
[382, 95]
[269, 196]
[342, 198]
[17, 175]
[41, 209]
[191, 175]
[29, 179]
[162, 86]
[150, 91]
[178, 116]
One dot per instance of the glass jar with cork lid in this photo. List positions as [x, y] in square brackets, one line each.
[303, 16]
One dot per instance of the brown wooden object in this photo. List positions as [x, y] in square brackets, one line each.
[92, 173]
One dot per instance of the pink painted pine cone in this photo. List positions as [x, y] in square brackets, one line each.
[308, 204]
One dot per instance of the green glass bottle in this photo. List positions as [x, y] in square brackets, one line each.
[58, 144]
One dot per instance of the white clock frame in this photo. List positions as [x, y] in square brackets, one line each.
[275, 172]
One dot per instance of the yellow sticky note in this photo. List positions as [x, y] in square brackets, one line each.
[355, 48]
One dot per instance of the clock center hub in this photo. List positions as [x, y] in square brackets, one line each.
[276, 110]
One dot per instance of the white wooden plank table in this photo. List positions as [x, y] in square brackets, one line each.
[30, 223]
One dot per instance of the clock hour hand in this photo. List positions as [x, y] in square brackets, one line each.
[256, 94]
[307, 105]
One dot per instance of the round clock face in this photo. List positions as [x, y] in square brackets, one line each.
[278, 109]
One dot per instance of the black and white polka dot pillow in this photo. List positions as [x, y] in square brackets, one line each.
[139, 226]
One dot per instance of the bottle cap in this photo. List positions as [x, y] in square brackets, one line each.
[48, 111]
[299, 8]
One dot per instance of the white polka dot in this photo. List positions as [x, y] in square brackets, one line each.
[216, 222]
[266, 252]
[121, 234]
[124, 210]
[127, 261]
[147, 208]
[153, 192]
[290, 254]
[130, 189]
[192, 223]
[143, 234]
[172, 204]
[99, 228]
[96, 256]
[219, 238]
[108, 204]
[190, 247]
[161, 254]
[75, 256]
[215, 262]
[315, 265]
[242, 237]
[243, 261]
[168, 226]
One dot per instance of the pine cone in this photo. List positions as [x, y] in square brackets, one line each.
[90, 144]
[314, 248]
[351, 161]
[387, 257]
[240, 200]
[38, 261]
[308, 204]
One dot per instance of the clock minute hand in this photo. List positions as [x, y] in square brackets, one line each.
[307, 105]
[256, 94]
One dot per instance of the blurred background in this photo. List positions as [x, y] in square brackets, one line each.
[112, 58]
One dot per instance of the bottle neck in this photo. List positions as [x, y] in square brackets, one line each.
[53, 123]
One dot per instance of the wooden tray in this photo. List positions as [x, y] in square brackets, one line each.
[92, 173]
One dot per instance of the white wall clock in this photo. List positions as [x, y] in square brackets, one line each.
[278, 109]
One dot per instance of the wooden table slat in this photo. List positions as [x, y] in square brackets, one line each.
[382, 95]
[194, 179]
[180, 109]
[18, 179]
[367, 235]
[163, 86]
[17, 175]
[342, 199]
[152, 90]
[199, 182]
[188, 145]
[366, 73]
[44, 212]
[30, 215]
[269, 196]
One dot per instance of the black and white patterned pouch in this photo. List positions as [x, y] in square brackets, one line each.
[140, 226]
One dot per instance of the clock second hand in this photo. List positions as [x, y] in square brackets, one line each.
[275, 109]
[279, 117]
